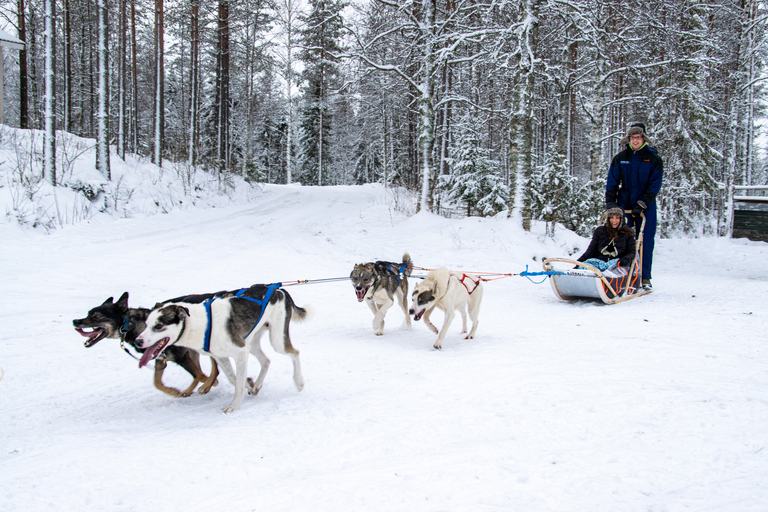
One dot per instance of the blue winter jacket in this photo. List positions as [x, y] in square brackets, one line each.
[634, 175]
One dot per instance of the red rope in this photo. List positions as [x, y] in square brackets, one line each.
[480, 275]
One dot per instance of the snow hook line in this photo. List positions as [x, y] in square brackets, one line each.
[484, 276]
[315, 281]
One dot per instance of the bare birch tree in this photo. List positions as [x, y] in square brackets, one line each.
[102, 94]
[49, 100]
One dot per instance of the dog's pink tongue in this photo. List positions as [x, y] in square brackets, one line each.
[148, 355]
[90, 335]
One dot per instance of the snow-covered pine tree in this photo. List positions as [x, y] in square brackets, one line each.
[321, 41]
[557, 197]
[475, 179]
[287, 19]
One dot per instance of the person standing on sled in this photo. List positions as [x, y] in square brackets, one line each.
[634, 180]
[612, 243]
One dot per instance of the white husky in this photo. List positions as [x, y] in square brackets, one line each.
[232, 329]
[448, 291]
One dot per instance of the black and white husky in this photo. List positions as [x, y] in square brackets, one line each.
[448, 291]
[378, 284]
[232, 329]
[117, 321]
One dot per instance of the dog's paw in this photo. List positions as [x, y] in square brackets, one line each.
[469, 337]
[173, 392]
[433, 329]
[378, 333]
[206, 388]
[230, 408]
[251, 387]
[437, 345]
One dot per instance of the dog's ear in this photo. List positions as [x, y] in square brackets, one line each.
[108, 302]
[182, 311]
[123, 301]
[158, 305]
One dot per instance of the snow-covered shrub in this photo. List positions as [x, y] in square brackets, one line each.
[557, 197]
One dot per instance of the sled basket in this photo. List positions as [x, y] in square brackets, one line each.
[587, 282]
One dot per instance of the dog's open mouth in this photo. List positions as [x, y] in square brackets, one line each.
[94, 336]
[417, 315]
[153, 351]
[361, 293]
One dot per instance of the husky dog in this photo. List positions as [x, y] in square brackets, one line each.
[116, 320]
[448, 291]
[233, 329]
[379, 284]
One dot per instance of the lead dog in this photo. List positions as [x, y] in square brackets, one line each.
[115, 320]
[379, 284]
[448, 291]
[235, 325]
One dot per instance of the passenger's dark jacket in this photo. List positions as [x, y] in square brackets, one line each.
[604, 248]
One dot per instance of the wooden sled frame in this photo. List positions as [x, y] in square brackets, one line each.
[589, 282]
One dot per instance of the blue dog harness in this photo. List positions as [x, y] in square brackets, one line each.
[400, 271]
[239, 295]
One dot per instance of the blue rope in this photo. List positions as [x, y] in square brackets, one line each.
[528, 275]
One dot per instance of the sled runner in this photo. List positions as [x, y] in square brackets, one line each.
[587, 282]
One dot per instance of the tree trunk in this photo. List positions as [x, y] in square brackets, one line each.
[121, 85]
[135, 80]
[289, 20]
[23, 112]
[193, 80]
[102, 115]
[426, 102]
[526, 162]
[67, 68]
[35, 111]
[222, 87]
[49, 55]
[159, 105]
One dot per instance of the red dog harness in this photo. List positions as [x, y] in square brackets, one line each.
[474, 283]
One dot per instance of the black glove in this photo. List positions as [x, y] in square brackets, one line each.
[638, 209]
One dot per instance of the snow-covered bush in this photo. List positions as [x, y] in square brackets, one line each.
[137, 186]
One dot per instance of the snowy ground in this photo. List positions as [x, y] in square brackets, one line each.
[658, 404]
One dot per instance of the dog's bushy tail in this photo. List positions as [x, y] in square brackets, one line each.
[408, 264]
[297, 313]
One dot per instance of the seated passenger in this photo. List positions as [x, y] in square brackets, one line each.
[612, 243]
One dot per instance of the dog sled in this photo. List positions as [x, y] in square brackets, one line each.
[573, 280]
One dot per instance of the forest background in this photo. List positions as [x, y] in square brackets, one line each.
[476, 106]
